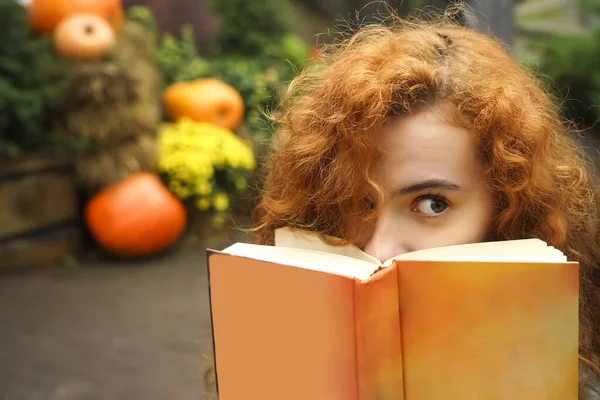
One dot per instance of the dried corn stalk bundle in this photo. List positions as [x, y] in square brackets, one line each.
[103, 168]
[114, 108]
[106, 126]
[99, 83]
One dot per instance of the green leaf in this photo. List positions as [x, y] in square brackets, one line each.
[29, 89]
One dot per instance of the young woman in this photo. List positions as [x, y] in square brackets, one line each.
[428, 134]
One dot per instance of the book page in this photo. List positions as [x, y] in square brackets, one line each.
[534, 250]
[304, 249]
[300, 239]
[531, 250]
[303, 258]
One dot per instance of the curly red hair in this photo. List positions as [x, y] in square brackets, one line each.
[321, 170]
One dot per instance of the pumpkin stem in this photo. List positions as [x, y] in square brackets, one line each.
[88, 29]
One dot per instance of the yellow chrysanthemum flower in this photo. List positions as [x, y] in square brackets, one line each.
[220, 201]
[191, 152]
[203, 204]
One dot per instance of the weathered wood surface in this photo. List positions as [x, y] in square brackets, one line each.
[14, 168]
[40, 248]
[39, 212]
[36, 201]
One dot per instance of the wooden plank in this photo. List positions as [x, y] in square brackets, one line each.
[40, 249]
[36, 201]
[28, 165]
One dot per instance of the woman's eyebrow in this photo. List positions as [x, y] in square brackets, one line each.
[428, 184]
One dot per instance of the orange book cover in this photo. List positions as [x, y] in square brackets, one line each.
[298, 322]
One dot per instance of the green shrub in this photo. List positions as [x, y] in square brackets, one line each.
[250, 27]
[590, 6]
[254, 51]
[29, 88]
[143, 16]
[571, 67]
[178, 57]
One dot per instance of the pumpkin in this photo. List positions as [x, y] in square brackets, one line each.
[205, 100]
[83, 37]
[135, 217]
[45, 15]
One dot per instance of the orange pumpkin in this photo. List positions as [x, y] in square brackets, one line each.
[45, 15]
[83, 37]
[205, 100]
[136, 217]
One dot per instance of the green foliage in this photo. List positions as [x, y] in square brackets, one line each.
[292, 48]
[254, 52]
[197, 67]
[143, 16]
[178, 57]
[258, 83]
[29, 88]
[592, 6]
[250, 27]
[571, 66]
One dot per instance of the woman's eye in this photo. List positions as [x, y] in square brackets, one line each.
[430, 206]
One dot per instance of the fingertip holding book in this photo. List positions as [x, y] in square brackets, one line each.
[305, 320]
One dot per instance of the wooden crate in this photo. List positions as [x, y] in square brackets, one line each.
[39, 212]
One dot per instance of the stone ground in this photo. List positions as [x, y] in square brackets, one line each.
[106, 330]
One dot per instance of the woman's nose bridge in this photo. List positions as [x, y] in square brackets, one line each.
[389, 239]
[391, 231]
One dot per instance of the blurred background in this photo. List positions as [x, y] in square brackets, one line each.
[132, 139]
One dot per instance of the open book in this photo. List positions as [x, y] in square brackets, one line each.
[306, 320]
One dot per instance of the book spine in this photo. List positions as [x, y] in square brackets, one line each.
[378, 339]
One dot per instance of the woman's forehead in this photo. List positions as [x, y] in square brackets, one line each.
[426, 146]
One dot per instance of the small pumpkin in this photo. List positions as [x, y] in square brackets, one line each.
[83, 37]
[136, 217]
[205, 100]
[45, 15]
